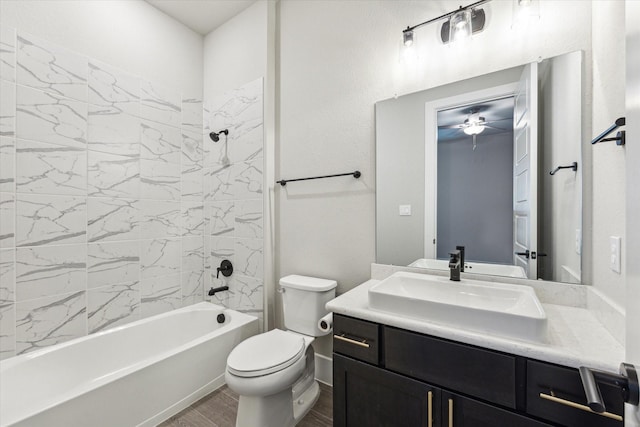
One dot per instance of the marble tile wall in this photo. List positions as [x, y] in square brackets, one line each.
[233, 195]
[102, 214]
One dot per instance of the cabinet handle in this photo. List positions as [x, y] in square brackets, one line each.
[362, 343]
[430, 409]
[579, 406]
[450, 412]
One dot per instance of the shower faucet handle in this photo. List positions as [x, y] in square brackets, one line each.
[226, 268]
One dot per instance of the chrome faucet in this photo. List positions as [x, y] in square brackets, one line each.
[454, 266]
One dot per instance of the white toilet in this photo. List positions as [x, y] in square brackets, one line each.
[274, 372]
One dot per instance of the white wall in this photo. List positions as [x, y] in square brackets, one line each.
[633, 192]
[608, 158]
[561, 196]
[131, 35]
[330, 78]
[236, 52]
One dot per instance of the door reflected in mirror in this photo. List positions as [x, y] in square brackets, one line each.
[487, 145]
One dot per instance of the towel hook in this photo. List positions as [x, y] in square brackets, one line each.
[573, 166]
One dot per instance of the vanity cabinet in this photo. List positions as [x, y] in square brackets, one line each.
[385, 376]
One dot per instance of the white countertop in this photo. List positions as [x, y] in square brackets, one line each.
[575, 337]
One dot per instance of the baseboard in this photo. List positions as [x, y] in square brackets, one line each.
[324, 369]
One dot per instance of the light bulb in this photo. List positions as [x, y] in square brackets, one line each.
[460, 25]
[407, 37]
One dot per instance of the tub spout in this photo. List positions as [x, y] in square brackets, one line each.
[213, 291]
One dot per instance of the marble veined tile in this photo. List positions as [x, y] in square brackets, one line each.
[7, 108]
[192, 178]
[110, 219]
[159, 219]
[7, 330]
[113, 262]
[192, 253]
[7, 222]
[192, 219]
[110, 87]
[50, 169]
[7, 276]
[8, 54]
[247, 180]
[47, 117]
[218, 183]
[45, 220]
[113, 305]
[247, 294]
[51, 68]
[51, 320]
[192, 287]
[161, 294]
[249, 218]
[159, 257]
[50, 270]
[160, 142]
[222, 221]
[248, 257]
[191, 168]
[113, 175]
[159, 180]
[109, 130]
[192, 153]
[160, 104]
[240, 111]
[221, 248]
[192, 115]
[7, 164]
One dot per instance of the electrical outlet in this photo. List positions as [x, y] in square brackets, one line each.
[578, 241]
[615, 243]
[404, 210]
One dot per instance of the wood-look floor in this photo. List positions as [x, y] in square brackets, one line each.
[219, 409]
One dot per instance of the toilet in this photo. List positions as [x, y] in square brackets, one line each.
[274, 372]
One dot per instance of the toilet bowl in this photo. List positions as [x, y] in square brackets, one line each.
[274, 372]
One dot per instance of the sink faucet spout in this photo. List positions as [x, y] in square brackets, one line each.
[454, 266]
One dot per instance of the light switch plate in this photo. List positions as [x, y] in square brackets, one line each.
[404, 210]
[615, 243]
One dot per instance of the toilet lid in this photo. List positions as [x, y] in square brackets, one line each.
[265, 353]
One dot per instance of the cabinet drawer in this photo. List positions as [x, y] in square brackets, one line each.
[356, 338]
[552, 389]
[485, 374]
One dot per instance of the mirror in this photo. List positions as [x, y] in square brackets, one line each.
[468, 164]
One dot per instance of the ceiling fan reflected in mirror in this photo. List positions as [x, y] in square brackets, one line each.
[470, 121]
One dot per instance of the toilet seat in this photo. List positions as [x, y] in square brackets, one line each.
[265, 354]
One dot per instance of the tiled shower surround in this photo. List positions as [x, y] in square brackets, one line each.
[109, 200]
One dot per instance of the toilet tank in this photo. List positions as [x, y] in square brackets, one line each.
[303, 301]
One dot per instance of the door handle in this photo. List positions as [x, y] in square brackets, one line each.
[430, 409]
[524, 254]
[450, 413]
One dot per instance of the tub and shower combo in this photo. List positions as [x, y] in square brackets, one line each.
[134, 375]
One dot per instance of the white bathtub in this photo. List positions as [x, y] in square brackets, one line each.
[136, 374]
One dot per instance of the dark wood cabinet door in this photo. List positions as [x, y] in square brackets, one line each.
[460, 411]
[364, 395]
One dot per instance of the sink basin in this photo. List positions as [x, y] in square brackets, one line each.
[495, 308]
[473, 267]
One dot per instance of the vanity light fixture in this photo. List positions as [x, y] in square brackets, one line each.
[459, 24]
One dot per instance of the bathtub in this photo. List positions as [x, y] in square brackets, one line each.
[133, 375]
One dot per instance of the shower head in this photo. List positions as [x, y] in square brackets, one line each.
[215, 136]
